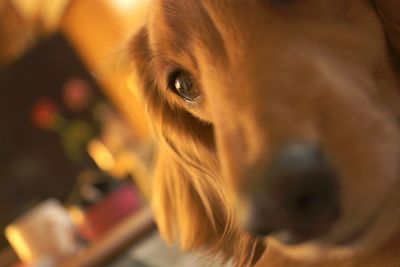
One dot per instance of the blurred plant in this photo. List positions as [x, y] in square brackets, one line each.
[74, 134]
[77, 94]
[45, 114]
[92, 130]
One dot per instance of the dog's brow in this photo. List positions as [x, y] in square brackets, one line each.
[176, 22]
[215, 35]
[191, 25]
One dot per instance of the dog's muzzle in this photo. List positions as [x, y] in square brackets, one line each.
[297, 200]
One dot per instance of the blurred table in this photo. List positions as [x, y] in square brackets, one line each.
[116, 242]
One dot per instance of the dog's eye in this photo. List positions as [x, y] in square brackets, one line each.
[183, 84]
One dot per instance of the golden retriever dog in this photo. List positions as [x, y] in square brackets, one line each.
[278, 128]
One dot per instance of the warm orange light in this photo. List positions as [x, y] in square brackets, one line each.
[101, 155]
[49, 12]
[125, 5]
[77, 215]
[19, 244]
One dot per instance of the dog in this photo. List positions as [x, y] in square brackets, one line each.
[278, 128]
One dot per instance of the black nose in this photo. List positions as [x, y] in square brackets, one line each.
[298, 199]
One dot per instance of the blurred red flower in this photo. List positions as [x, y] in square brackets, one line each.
[76, 94]
[44, 113]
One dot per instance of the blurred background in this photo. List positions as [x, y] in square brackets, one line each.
[75, 147]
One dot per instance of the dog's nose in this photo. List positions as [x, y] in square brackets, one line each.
[298, 199]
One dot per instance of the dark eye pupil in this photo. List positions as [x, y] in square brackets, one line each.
[182, 83]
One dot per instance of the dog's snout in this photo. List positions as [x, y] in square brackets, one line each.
[299, 195]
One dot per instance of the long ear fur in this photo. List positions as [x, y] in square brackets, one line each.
[188, 197]
[389, 11]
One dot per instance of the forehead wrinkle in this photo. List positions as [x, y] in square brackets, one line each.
[180, 27]
[171, 39]
[211, 38]
[177, 26]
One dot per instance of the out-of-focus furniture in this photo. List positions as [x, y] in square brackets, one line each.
[116, 242]
[46, 231]
[100, 31]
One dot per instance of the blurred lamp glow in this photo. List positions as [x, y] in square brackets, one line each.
[19, 244]
[125, 5]
[101, 155]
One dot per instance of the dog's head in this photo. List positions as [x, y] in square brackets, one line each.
[276, 117]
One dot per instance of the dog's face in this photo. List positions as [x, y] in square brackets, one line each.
[301, 100]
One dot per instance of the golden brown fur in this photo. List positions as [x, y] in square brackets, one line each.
[273, 71]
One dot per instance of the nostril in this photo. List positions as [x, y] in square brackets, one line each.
[298, 196]
[304, 185]
[258, 229]
[308, 198]
[259, 219]
[306, 203]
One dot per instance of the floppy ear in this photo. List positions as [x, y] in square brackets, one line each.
[189, 201]
[389, 12]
